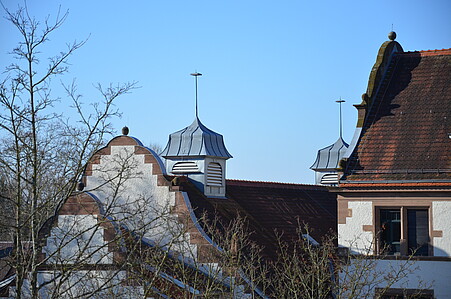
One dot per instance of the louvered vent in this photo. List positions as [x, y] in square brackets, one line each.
[330, 178]
[183, 167]
[214, 174]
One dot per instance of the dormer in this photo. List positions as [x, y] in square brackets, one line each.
[200, 154]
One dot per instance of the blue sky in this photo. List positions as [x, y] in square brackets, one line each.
[272, 70]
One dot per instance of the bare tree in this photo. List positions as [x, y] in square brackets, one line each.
[156, 147]
[124, 238]
[43, 154]
[305, 268]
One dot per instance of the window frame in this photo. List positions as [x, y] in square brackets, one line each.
[379, 232]
[404, 248]
[405, 293]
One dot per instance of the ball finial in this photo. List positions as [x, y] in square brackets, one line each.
[125, 130]
[392, 35]
[80, 186]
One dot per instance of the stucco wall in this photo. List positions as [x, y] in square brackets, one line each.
[126, 184]
[80, 284]
[441, 221]
[352, 234]
[77, 239]
[423, 274]
[432, 275]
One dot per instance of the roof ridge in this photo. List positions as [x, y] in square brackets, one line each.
[428, 52]
[273, 184]
[390, 184]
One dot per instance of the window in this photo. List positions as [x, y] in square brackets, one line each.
[418, 231]
[214, 174]
[403, 293]
[403, 231]
[390, 231]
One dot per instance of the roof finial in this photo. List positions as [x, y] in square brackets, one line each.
[341, 123]
[80, 186]
[196, 74]
[392, 35]
[125, 130]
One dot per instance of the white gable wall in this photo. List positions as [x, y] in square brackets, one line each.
[129, 191]
[77, 238]
[80, 284]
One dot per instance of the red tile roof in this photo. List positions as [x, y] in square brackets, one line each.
[270, 207]
[429, 52]
[406, 135]
[422, 185]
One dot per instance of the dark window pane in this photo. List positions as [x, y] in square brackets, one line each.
[390, 230]
[418, 231]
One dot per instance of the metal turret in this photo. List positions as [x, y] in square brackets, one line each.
[200, 154]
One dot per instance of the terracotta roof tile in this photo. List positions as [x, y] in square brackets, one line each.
[446, 185]
[270, 207]
[407, 129]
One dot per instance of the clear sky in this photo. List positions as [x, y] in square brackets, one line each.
[272, 70]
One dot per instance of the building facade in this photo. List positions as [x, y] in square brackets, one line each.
[394, 198]
[145, 226]
[168, 226]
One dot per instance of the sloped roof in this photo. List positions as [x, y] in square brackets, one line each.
[406, 133]
[195, 140]
[270, 207]
[329, 157]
